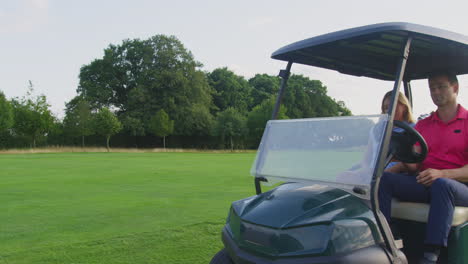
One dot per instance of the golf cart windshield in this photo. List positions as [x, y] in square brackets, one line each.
[339, 151]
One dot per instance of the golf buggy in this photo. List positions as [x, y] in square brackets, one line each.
[325, 207]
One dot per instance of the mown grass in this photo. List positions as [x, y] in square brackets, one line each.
[66, 149]
[117, 207]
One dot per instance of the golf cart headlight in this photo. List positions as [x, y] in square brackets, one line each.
[286, 242]
[303, 240]
[350, 235]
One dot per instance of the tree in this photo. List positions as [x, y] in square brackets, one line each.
[139, 77]
[96, 83]
[106, 124]
[32, 117]
[303, 97]
[78, 119]
[133, 126]
[230, 90]
[259, 116]
[263, 87]
[198, 121]
[308, 98]
[56, 135]
[6, 116]
[6, 120]
[161, 125]
[342, 109]
[230, 124]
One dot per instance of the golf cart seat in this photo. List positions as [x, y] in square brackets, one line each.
[419, 212]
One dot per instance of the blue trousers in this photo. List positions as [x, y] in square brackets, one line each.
[443, 195]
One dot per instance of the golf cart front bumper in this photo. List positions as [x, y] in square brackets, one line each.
[370, 255]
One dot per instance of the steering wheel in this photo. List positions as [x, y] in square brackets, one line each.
[401, 143]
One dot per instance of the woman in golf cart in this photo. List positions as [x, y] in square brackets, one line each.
[362, 172]
[403, 111]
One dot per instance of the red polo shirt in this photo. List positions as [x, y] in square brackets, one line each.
[447, 142]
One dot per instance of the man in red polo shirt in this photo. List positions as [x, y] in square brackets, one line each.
[441, 179]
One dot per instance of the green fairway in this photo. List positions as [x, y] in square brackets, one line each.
[117, 207]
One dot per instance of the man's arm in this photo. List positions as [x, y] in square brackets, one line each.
[428, 176]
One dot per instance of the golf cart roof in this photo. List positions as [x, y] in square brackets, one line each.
[375, 51]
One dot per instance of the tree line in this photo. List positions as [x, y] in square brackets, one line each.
[143, 91]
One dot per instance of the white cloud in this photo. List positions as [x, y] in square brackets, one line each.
[242, 70]
[23, 16]
[260, 22]
[40, 4]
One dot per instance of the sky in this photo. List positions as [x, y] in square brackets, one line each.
[47, 41]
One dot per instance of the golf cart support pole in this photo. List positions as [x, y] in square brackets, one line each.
[382, 159]
[284, 74]
[408, 93]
